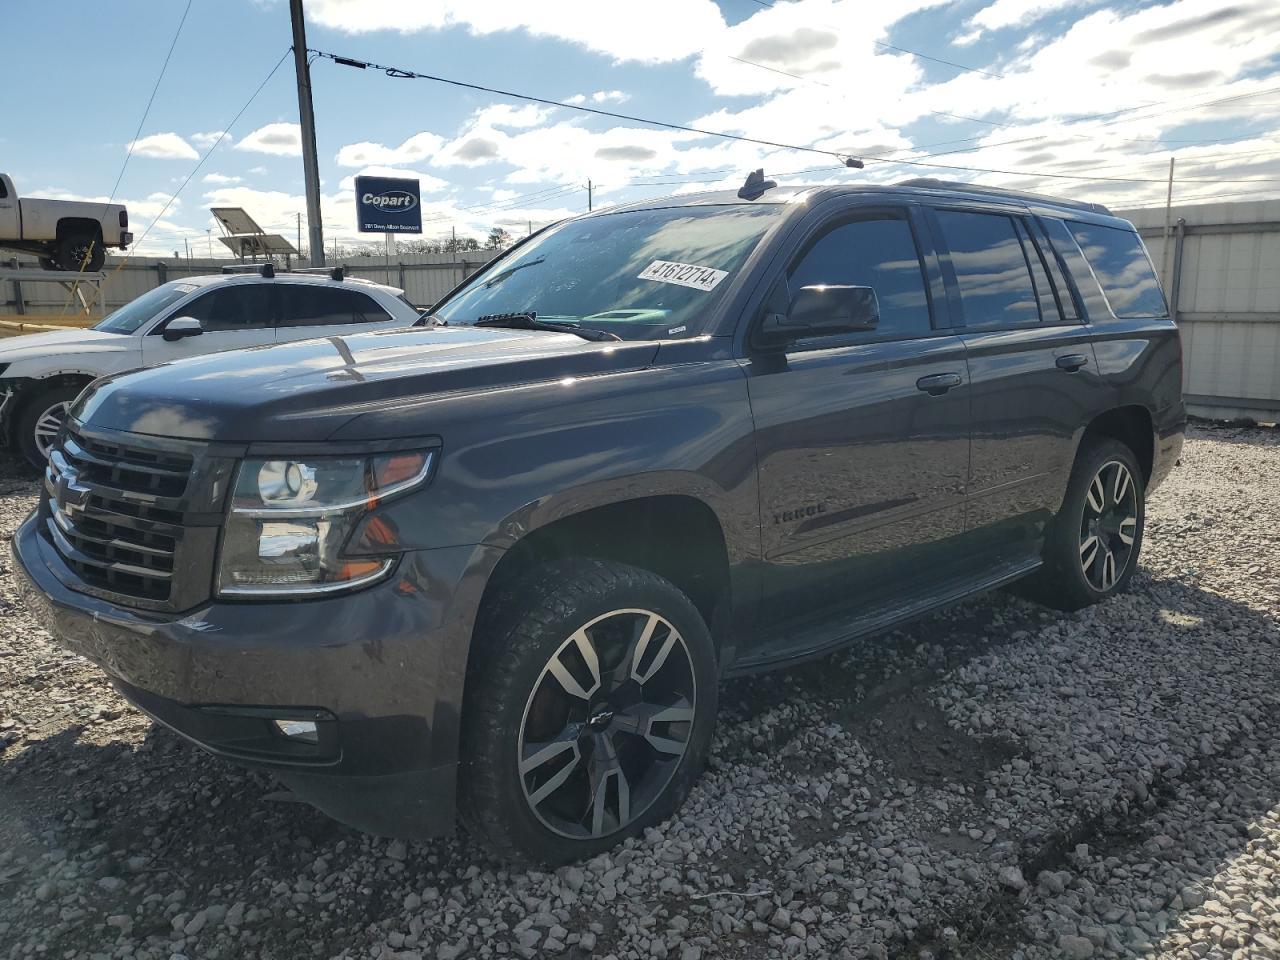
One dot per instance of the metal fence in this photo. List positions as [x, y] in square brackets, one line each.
[425, 278]
[1221, 274]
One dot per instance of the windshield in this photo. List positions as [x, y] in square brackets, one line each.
[642, 275]
[137, 312]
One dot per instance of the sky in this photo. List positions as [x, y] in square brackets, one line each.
[1078, 98]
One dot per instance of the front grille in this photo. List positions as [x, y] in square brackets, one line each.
[115, 514]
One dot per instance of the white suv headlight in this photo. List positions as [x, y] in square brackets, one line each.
[290, 519]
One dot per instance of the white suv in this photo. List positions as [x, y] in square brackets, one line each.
[41, 374]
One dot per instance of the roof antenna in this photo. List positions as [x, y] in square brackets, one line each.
[756, 185]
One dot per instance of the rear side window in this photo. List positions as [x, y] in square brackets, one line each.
[991, 269]
[308, 306]
[4, 191]
[1120, 262]
[877, 252]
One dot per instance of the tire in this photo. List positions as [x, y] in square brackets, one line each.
[35, 422]
[596, 768]
[1077, 573]
[74, 248]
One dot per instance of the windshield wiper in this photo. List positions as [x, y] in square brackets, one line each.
[528, 320]
[503, 274]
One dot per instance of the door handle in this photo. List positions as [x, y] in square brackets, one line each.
[1071, 362]
[939, 383]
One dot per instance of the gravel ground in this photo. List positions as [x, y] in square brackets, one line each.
[996, 781]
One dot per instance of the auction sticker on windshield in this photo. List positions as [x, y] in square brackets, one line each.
[684, 274]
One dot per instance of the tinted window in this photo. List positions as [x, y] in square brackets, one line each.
[880, 254]
[1040, 277]
[991, 269]
[317, 306]
[241, 307]
[4, 191]
[1122, 266]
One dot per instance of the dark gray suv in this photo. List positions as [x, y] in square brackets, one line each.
[495, 566]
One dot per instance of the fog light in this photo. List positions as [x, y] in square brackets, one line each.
[304, 730]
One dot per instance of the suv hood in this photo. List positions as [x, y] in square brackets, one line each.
[43, 346]
[307, 390]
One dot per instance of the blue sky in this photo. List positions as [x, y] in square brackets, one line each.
[1194, 78]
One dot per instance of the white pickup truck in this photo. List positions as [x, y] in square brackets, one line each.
[64, 234]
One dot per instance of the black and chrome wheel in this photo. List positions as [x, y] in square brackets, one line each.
[41, 419]
[80, 251]
[1092, 546]
[1108, 525]
[588, 713]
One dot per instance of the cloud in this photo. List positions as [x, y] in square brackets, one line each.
[419, 147]
[209, 138]
[610, 96]
[476, 149]
[258, 171]
[218, 178]
[426, 182]
[1018, 13]
[164, 146]
[626, 153]
[280, 139]
[792, 48]
[659, 31]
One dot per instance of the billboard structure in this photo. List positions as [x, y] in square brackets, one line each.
[388, 205]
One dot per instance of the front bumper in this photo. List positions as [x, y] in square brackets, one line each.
[382, 669]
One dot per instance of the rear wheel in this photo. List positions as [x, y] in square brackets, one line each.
[1092, 548]
[590, 709]
[40, 420]
[78, 251]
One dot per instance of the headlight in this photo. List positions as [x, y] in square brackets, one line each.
[290, 519]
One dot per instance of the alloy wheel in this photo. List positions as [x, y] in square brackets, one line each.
[1109, 525]
[48, 424]
[607, 724]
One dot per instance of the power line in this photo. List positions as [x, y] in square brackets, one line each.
[401, 73]
[914, 53]
[150, 100]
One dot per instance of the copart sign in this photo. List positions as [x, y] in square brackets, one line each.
[388, 205]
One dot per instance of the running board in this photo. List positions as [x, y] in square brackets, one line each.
[841, 631]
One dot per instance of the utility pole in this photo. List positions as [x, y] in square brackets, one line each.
[208, 235]
[307, 120]
[454, 247]
[299, 234]
[1168, 227]
[588, 196]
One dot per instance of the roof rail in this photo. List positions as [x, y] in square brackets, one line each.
[267, 270]
[932, 183]
[334, 273]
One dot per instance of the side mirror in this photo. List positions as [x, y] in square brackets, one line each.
[181, 327]
[820, 311]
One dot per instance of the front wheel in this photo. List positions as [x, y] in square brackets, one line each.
[1092, 548]
[40, 420]
[590, 707]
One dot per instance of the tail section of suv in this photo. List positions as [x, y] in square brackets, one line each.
[494, 568]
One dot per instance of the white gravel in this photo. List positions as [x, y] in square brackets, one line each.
[997, 781]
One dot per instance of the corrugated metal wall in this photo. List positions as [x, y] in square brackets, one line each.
[1221, 274]
[425, 278]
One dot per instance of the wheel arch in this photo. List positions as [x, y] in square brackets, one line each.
[1132, 425]
[27, 390]
[71, 226]
[675, 535]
